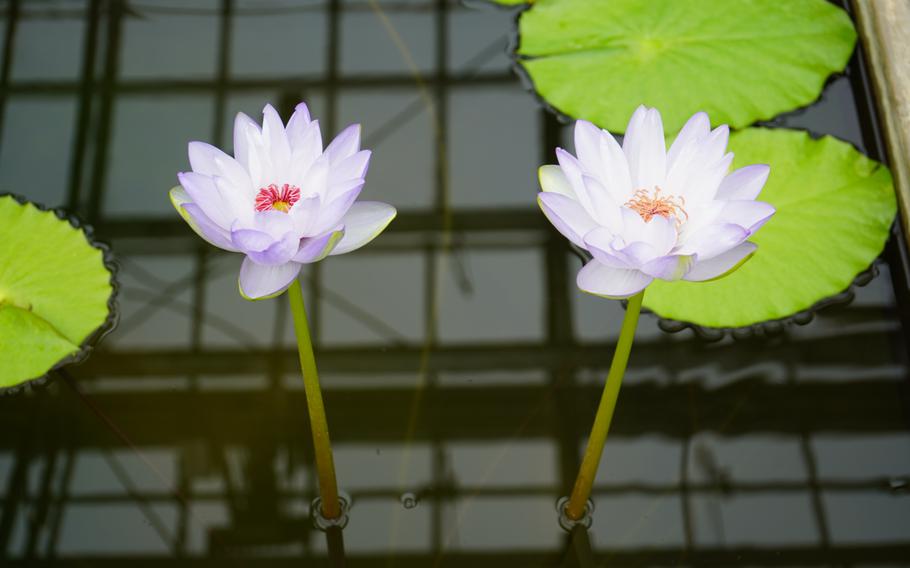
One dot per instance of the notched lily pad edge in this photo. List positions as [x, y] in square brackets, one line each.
[113, 311]
[527, 81]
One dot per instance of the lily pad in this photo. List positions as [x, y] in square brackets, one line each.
[835, 208]
[56, 292]
[740, 61]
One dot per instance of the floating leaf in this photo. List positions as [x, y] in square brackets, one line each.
[738, 60]
[834, 212]
[55, 290]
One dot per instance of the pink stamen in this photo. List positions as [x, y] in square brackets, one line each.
[278, 199]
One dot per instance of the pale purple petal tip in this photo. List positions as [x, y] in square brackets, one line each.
[615, 283]
[721, 264]
[258, 282]
[363, 222]
[567, 215]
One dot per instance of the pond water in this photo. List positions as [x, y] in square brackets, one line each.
[461, 366]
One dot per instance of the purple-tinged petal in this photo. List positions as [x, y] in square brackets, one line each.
[573, 171]
[204, 193]
[696, 129]
[316, 179]
[258, 282]
[275, 138]
[714, 240]
[722, 264]
[615, 283]
[306, 145]
[646, 149]
[247, 145]
[616, 177]
[274, 223]
[639, 253]
[316, 248]
[604, 209]
[744, 183]
[208, 160]
[198, 221]
[279, 252]
[345, 145]
[587, 147]
[304, 214]
[331, 213]
[670, 267]
[599, 242]
[567, 215]
[298, 125]
[352, 167]
[553, 180]
[750, 215]
[362, 223]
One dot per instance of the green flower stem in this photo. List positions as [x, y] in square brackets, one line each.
[325, 463]
[576, 507]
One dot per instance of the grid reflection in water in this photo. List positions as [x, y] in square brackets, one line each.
[461, 365]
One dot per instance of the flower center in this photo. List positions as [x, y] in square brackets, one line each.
[282, 199]
[649, 204]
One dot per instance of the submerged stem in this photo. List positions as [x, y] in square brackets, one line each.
[582, 489]
[325, 463]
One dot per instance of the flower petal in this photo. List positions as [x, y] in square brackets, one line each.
[553, 180]
[604, 209]
[258, 282]
[276, 142]
[248, 146]
[669, 267]
[362, 223]
[616, 177]
[208, 160]
[750, 215]
[587, 147]
[345, 145]
[714, 240]
[744, 183]
[645, 149]
[352, 167]
[615, 283]
[198, 221]
[306, 144]
[599, 242]
[567, 215]
[331, 213]
[696, 129]
[204, 193]
[722, 264]
[315, 249]
[298, 125]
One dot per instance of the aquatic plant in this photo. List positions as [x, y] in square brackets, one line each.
[283, 201]
[644, 213]
[57, 293]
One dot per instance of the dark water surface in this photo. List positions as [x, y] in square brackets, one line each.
[461, 366]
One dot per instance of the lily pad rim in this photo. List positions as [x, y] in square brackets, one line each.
[473, 4]
[113, 312]
[564, 118]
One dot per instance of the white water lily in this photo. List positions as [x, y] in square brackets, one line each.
[281, 200]
[644, 212]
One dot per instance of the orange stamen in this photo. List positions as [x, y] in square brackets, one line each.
[648, 205]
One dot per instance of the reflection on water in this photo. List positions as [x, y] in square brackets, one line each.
[461, 366]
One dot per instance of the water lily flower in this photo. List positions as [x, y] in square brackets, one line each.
[645, 212]
[282, 200]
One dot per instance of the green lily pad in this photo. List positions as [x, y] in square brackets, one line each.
[835, 208]
[738, 60]
[55, 291]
